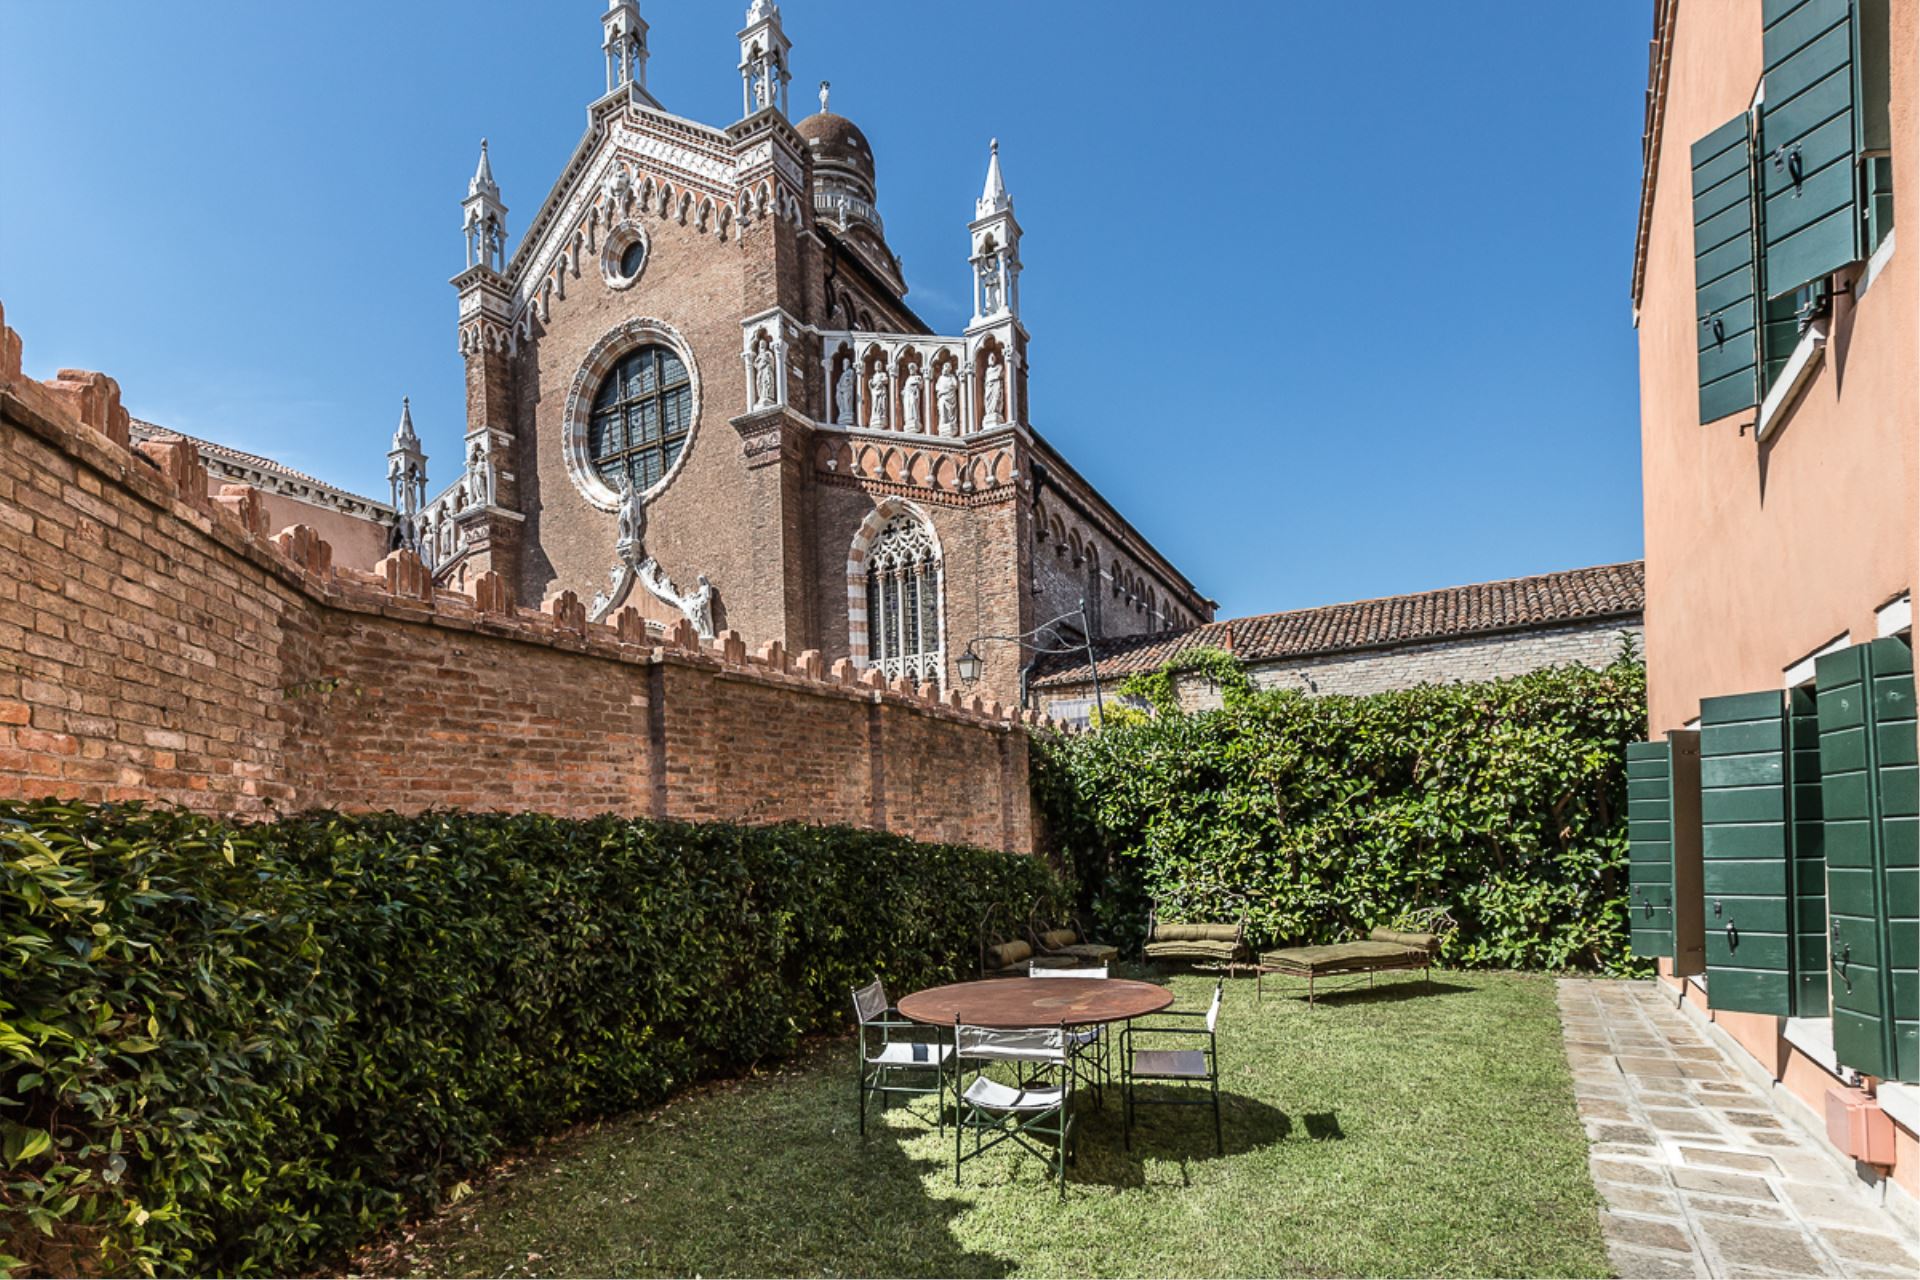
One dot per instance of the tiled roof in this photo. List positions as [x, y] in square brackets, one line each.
[1513, 604]
[313, 487]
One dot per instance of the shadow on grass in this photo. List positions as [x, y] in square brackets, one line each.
[1381, 993]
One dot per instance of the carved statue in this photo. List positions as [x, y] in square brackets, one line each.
[760, 82]
[946, 396]
[479, 476]
[990, 284]
[698, 608]
[848, 393]
[877, 392]
[825, 85]
[633, 523]
[996, 396]
[910, 393]
[695, 606]
[763, 377]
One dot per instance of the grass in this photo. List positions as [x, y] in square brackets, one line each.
[1388, 1132]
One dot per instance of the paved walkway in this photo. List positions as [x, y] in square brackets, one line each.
[1700, 1177]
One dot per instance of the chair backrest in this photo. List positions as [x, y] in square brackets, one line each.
[1213, 1009]
[1027, 1045]
[870, 1001]
[1039, 971]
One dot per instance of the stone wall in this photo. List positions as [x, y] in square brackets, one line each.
[156, 644]
[1469, 658]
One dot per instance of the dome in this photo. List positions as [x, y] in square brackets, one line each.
[836, 142]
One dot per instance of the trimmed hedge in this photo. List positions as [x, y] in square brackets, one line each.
[241, 1049]
[1317, 819]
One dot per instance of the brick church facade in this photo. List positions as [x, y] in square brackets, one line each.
[696, 387]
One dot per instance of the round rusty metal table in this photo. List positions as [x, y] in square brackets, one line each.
[1014, 1004]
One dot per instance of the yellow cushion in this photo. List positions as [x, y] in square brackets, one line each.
[1008, 954]
[1054, 939]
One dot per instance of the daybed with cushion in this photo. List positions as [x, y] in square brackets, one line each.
[1067, 948]
[1383, 950]
[1212, 945]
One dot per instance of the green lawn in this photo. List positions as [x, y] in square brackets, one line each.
[1379, 1133]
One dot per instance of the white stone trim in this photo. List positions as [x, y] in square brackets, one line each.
[1901, 1102]
[1801, 672]
[600, 358]
[1895, 616]
[1875, 265]
[1813, 1037]
[857, 621]
[1800, 366]
[626, 233]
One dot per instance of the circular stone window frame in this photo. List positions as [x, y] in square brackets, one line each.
[624, 236]
[613, 345]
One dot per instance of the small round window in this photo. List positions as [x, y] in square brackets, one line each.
[632, 258]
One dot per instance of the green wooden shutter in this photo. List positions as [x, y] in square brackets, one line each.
[1809, 220]
[1745, 853]
[1807, 845]
[1726, 286]
[1650, 848]
[1868, 785]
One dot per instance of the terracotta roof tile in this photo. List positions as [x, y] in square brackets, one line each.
[1513, 604]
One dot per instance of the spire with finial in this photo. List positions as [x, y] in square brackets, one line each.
[407, 477]
[625, 45]
[993, 197]
[996, 248]
[484, 217]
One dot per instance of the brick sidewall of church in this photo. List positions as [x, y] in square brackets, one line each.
[154, 648]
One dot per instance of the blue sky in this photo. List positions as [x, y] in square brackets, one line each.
[1331, 300]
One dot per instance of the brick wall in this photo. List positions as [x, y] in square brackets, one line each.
[156, 644]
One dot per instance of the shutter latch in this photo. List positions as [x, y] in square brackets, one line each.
[1733, 937]
[1719, 327]
[1789, 160]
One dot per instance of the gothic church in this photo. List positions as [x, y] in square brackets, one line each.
[696, 387]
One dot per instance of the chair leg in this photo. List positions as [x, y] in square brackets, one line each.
[861, 1074]
[1219, 1142]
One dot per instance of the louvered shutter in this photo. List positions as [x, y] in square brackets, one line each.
[1807, 848]
[1746, 861]
[1650, 848]
[1872, 815]
[1726, 285]
[1810, 223]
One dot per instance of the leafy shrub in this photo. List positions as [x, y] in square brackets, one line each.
[1318, 818]
[242, 1048]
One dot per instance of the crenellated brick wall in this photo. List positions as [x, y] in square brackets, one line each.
[156, 644]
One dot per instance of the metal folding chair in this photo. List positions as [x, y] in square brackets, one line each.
[1185, 1066]
[883, 1064]
[1032, 1111]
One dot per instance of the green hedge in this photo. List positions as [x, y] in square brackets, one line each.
[242, 1048]
[1317, 818]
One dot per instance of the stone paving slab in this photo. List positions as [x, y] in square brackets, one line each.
[1699, 1176]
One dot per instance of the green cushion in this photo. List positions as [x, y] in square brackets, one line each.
[1058, 939]
[1195, 932]
[1196, 948]
[1092, 952]
[1427, 942]
[1342, 955]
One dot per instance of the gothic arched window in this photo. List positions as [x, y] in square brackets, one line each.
[641, 416]
[903, 601]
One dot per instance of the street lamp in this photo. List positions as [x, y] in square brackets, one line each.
[971, 665]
